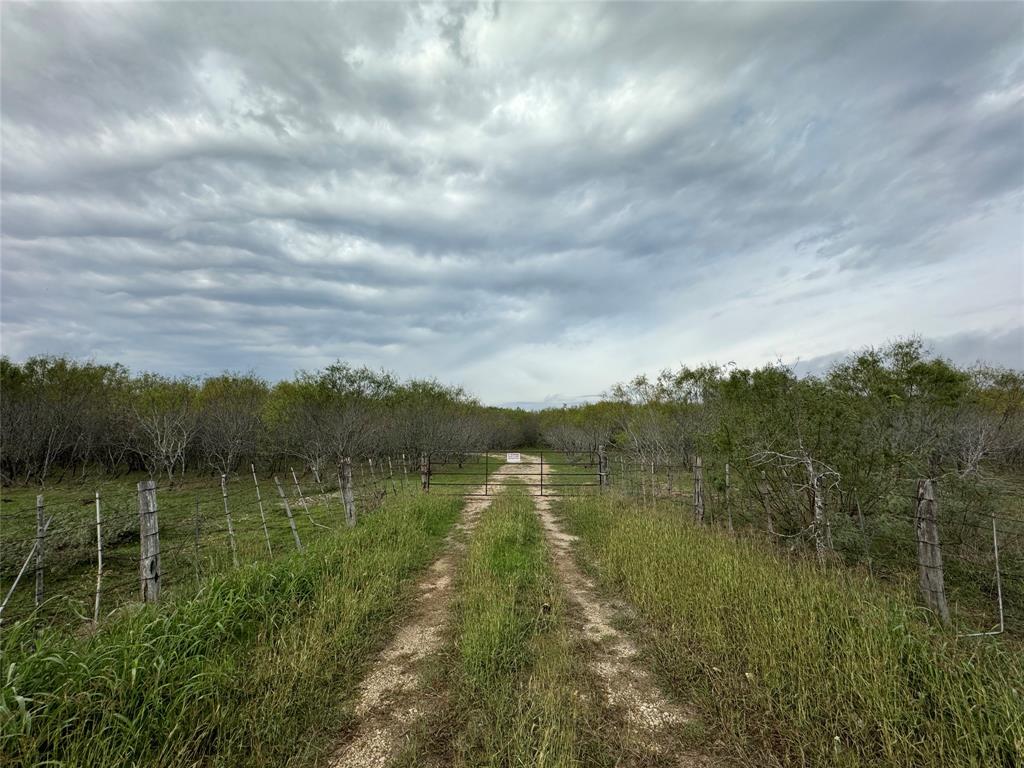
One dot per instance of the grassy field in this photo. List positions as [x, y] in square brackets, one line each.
[797, 665]
[254, 669]
[783, 663]
[194, 539]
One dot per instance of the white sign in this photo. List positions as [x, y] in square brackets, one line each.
[513, 458]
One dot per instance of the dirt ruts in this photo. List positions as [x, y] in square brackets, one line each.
[390, 701]
[655, 727]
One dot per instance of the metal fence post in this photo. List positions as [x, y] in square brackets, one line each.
[40, 543]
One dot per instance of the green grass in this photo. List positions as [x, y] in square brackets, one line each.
[515, 688]
[255, 669]
[70, 544]
[801, 666]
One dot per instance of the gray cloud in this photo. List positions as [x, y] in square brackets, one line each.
[524, 199]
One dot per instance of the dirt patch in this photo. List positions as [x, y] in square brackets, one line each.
[655, 727]
[391, 699]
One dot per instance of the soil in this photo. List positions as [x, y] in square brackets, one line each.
[391, 700]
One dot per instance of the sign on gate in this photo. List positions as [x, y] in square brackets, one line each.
[513, 458]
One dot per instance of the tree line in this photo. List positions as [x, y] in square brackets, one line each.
[852, 437]
[63, 418]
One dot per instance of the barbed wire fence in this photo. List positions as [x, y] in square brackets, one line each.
[85, 555]
[966, 553]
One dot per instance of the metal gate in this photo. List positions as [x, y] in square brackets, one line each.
[543, 473]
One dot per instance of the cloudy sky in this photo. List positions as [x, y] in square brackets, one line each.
[533, 201]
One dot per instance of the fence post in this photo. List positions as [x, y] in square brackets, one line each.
[227, 514]
[602, 468]
[259, 502]
[424, 472]
[288, 511]
[347, 493]
[391, 477]
[929, 552]
[698, 489]
[40, 543]
[728, 509]
[149, 542]
[654, 488]
[643, 480]
[99, 562]
[195, 560]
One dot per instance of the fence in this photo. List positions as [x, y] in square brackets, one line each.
[474, 474]
[87, 555]
[970, 562]
[82, 556]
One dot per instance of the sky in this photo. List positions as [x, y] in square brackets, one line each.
[533, 201]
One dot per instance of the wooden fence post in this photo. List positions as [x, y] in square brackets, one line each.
[24, 568]
[149, 542]
[259, 502]
[40, 543]
[347, 492]
[99, 562]
[698, 489]
[602, 468]
[227, 514]
[929, 552]
[288, 512]
[424, 472]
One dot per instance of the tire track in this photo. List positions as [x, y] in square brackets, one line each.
[653, 725]
[390, 700]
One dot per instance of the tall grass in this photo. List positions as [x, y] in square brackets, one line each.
[255, 669]
[801, 666]
[514, 687]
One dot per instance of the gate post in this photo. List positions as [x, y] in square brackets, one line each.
[602, 467]
[424, 472]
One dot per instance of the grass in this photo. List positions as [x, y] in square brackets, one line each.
[887, 547]
[515, 688]
[194, 540]
[801, 666]
[254, 669]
